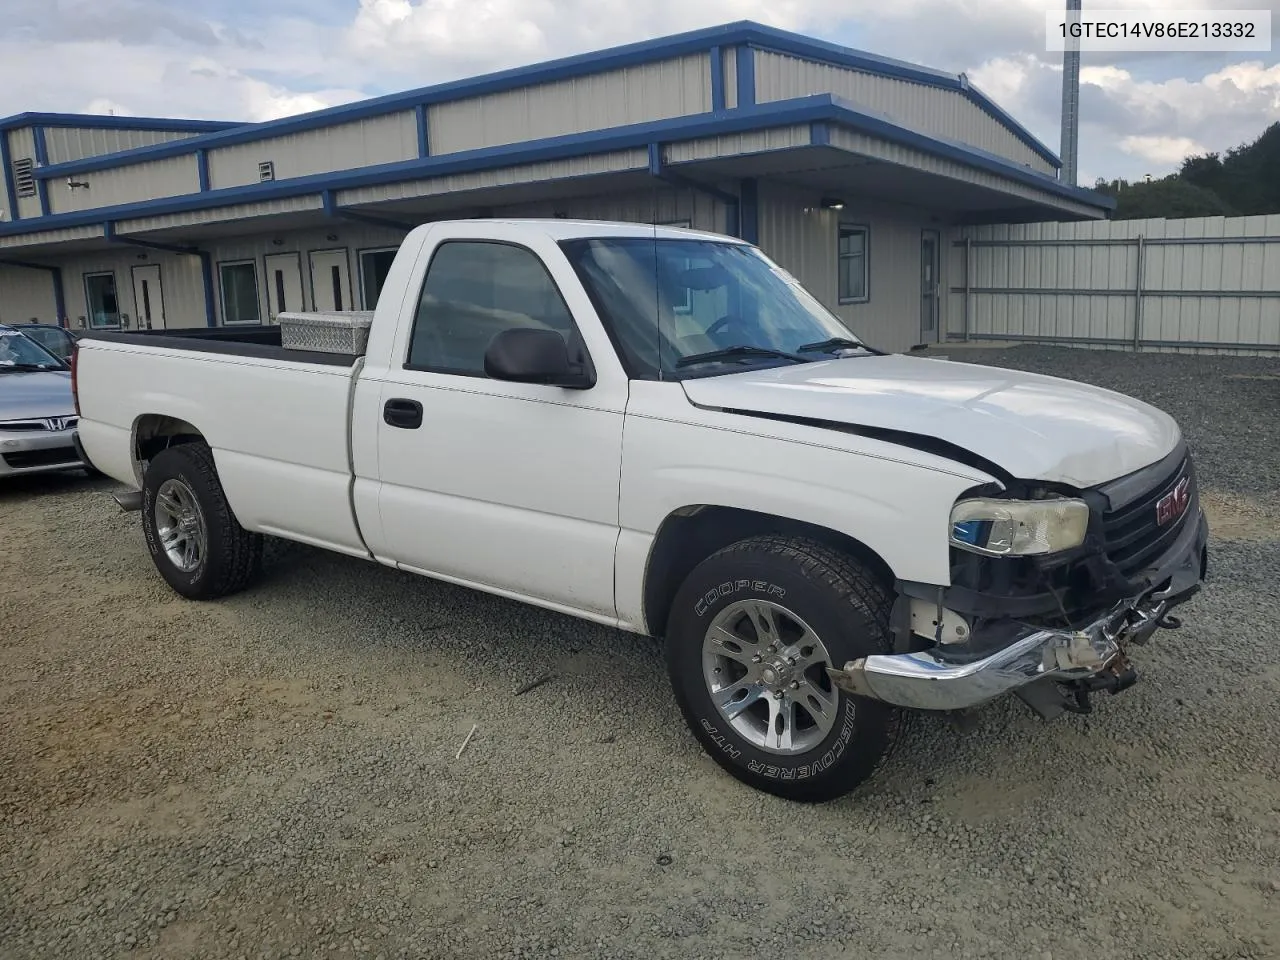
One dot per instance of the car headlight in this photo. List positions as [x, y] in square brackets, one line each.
[1001, 528]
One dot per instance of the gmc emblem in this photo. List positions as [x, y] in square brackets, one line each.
[1174, 503]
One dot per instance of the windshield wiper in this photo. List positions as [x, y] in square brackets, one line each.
[835, 343]
[27, 367]
[741, 351]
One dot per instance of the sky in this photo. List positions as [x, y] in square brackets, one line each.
[255, 60]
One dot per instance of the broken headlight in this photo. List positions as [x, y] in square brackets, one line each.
[1000, 528]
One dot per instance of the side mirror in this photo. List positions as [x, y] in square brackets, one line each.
[525, 355]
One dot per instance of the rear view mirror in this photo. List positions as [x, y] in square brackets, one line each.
[524, 355]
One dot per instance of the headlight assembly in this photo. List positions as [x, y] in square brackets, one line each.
[1018, 528]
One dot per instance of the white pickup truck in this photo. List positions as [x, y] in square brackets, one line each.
[662, 431]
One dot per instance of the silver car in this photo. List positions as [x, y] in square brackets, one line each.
[37, 412]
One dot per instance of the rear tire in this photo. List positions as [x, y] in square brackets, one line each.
[780, 725]
[194, 538]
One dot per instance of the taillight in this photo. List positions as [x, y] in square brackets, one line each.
[75, 394]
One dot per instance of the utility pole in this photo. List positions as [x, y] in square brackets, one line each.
[1069, 147]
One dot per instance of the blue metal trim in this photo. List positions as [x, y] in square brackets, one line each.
[331, 209]
[820, 134]
[206, 275]
[59, 297]
[96, 122]
[202, 169]
[42, 160]
[750, 210]
[424, 140]
[659, 170]
[717, 79]
[746, 76]
[822, 107]
[10, 188]
[110, 235]
[740, 34]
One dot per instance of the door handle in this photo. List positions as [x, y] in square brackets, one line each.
[406, 414]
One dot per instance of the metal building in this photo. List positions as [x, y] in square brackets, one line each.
[847, 168]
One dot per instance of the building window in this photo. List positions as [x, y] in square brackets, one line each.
[24, 177]
[374, 267]
[104, 305]
[239, 292]
[473, 291]
[852, 263]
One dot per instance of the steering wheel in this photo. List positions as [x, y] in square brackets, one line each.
[719, 326]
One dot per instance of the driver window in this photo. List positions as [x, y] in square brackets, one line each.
[475, 290]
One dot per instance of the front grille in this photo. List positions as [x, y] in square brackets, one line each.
[1134, 537]
[41, 458]
[59, 423]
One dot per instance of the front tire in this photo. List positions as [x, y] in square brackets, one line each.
[195, 540]
[750, 634]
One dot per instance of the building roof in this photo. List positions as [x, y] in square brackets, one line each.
[817, 109]
[741, 34]
[94, 121]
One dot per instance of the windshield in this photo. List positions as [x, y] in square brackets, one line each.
[19, 353]
[679, 308]
[57, 342]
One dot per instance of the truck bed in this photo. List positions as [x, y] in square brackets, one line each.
[258, 340]
[277, 420]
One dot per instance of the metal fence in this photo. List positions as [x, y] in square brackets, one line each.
[1205, 285]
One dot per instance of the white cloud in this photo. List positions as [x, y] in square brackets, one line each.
[1167, 151]
[236, 59]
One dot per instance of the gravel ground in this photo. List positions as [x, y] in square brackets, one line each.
[274, 775]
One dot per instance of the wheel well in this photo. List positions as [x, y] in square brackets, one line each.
[154, 432]
[691, 534]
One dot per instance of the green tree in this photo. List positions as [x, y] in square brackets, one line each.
[1243, 182]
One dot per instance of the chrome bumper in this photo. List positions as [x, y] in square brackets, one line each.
[923, 681]
[38, 451]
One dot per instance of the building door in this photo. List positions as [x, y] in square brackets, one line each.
[330, 280]
[148, 301]
[929, 286]
[284, 284]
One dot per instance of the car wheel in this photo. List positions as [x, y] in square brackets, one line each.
[195, 540]
[751, 633]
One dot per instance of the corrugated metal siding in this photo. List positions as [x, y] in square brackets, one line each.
[779, 138]
[22, 145]
[26, 295]
[352, 238]
[662, 205]
[65, 235]
[344, 146]
[875, 148]
[181, 285]
[132, 184]
[729, 59]
[943, 113]
[239, 211]
[1205, 280]
[76, 143]
[802, 238]
[671, 88]
[617, 161]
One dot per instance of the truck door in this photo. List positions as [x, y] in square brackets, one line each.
[509, 485]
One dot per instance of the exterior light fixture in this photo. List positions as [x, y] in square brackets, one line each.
[831, 203]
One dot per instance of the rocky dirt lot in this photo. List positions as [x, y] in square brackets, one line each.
[275, 776]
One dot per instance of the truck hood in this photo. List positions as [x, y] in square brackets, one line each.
[1034, 427]
[35, 395]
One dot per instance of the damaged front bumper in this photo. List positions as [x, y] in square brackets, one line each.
[925, 681]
